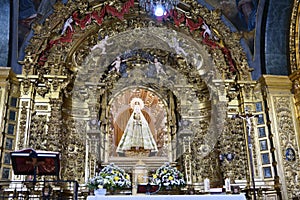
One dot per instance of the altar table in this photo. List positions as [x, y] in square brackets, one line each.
[171, 197]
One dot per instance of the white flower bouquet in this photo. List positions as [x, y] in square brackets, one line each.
[168, 176]
[110, 176]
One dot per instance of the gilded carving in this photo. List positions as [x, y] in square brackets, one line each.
[38, 139]
[194, 53]
[232, 142]
[23, 124]
[74, 154]
[288, 144]
[294, 38]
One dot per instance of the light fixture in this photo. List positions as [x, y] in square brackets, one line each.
[158, 7]
[159, 10]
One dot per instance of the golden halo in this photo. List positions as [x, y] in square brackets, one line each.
[135, 99]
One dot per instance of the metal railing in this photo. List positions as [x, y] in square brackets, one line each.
[45, 190]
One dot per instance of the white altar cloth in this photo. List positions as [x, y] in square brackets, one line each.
[171, 197]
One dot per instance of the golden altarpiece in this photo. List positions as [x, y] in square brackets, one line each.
[88, 60]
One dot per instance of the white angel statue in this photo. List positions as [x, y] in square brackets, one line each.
[67, 25]
[102, 45]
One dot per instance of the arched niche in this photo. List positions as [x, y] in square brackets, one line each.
[154, 110]
[185, 96]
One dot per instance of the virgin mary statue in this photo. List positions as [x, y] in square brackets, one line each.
[137, 134]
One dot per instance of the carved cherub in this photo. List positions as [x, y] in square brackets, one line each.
[102, 45]
[159, 67]
[207, 31]
[175, 44]
[67, 25]
[117, 63]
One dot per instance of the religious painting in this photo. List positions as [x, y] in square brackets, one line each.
[139, 124]
[30, 12]
[11, 129]
[25, 160]
[7, 158]
[13, 102]
[242, 14]
[260, 119]
[258, 107]
[267, 172]
[5, 173]
[263, 145]
[261, 132]
[9, 143]
[290, 154]
[12, 115]
[265, 158]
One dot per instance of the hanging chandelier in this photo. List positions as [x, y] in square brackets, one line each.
[158, 7]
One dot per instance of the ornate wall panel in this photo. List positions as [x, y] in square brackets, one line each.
[284, 128]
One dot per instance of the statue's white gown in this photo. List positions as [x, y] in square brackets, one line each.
[137, 134]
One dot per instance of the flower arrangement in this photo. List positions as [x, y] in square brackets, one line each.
[168, 176]
[109, 177]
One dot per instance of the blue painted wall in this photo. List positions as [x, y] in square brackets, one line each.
[4, 33]
[275, 55]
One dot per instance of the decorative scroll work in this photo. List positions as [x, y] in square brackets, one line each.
[75, 151]
[38, 139]
[287, 139]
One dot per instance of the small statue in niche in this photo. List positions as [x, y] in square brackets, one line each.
[102, 45]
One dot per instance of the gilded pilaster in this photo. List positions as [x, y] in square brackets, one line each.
[283, 133]
[235, 139]
[187, 159]
[74, 154]
[54, 134]
[26, 110]
[232, 151]
[9, 94]
[295, 78]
